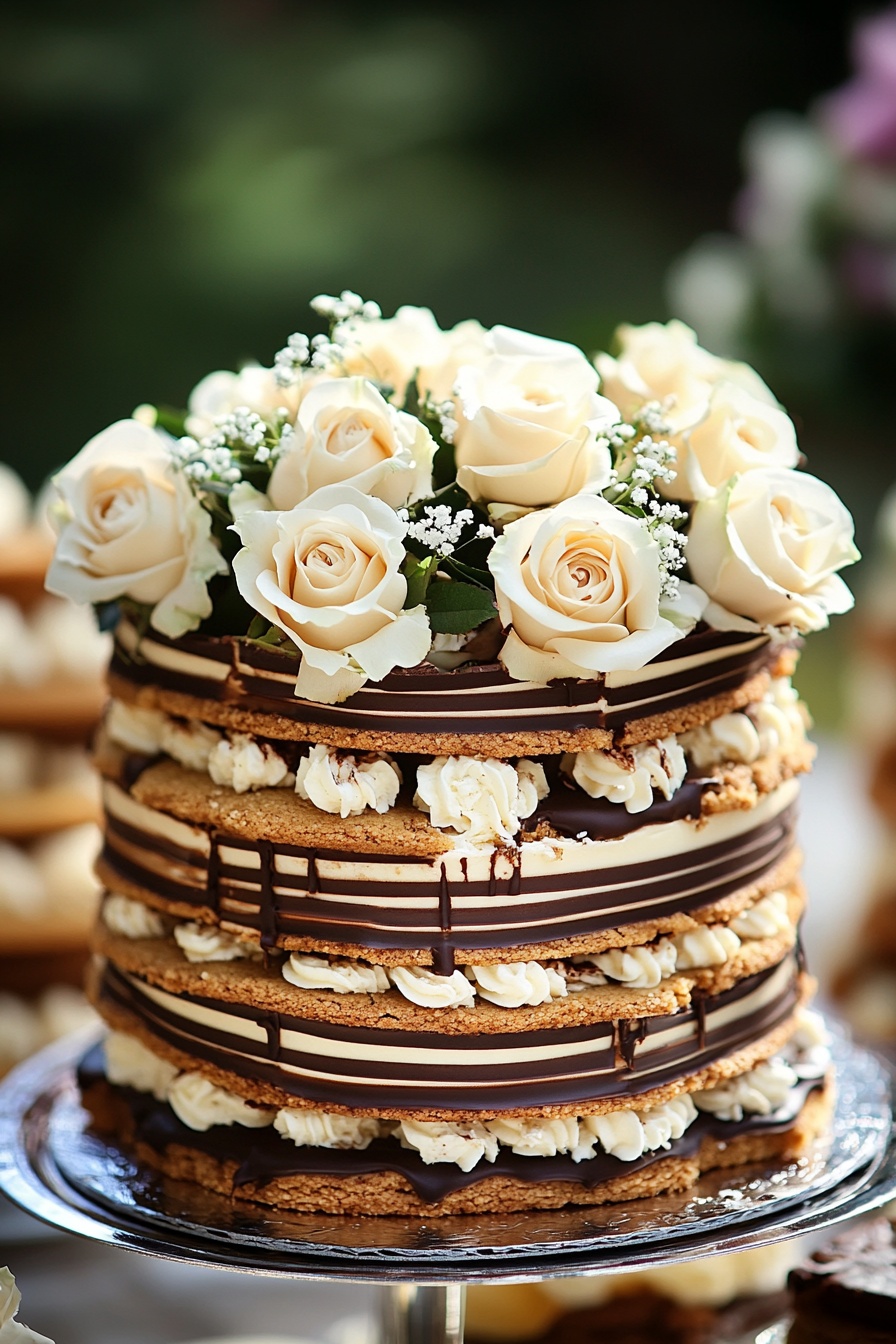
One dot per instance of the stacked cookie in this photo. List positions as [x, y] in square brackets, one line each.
[50, 699]
[417, 903]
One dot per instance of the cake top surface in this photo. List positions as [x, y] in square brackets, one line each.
[390, 496]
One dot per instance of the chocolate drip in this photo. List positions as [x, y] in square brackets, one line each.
[270, 921]
[629, 1035]
[698, 1004]
[213, 877]
[443, 952]
[800, 953]
[272, 1025]
[133, 765]
[558, 905]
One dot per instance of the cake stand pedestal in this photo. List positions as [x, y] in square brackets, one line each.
[54, 1167]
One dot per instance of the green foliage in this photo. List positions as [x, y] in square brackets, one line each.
[455, 608]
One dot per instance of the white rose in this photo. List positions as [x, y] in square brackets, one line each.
[222, 392]
[738, 433]
[663, 362]
[530, 422]
[129, 526]
[767, 547]
[391, 350]
[579, 585]
[346, 433]
[328, 573]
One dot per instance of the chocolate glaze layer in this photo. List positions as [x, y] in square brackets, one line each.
[435, 911]
[483, 699]
[335, 1065]
[262, 1156]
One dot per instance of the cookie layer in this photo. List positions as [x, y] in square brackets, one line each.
[242, 867]
[475, 710]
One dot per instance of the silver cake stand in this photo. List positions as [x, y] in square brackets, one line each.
[56, 1169]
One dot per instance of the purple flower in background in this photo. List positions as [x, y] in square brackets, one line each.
[861, 116]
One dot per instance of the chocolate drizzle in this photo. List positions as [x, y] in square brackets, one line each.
[260, 1156]
[698, 1000]
[355, 902]
[213, 877]
[268, 905]
[443, 952]
[629, 1035]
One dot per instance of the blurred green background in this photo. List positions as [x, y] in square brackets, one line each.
[181, 177]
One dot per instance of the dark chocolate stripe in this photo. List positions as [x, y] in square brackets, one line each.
[262, 1156]
[623, 1061]
[567, 905]
[464, 701]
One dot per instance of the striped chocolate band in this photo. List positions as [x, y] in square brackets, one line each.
[479, 699]
[390, 1070]
[476, 901]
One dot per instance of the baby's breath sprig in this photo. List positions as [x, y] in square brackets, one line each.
[439, 529]
[348, 304]
[242, 445]
[325, 352]
[642, 459]
[441, 413]
[664, 520]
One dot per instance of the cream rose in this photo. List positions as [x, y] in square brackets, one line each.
[328, 573]
[392, 350]
[222, 392]
[129, 526]
[579, 587]
[346, 433]
[767, 548]
[739, 432]
[663, 362]
[530, 422]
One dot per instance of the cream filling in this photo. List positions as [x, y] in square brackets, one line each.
[625, 1134]
[506, 984]
[483, 801]
[515, 984]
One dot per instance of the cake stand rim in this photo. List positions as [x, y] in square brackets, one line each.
[26, 1165]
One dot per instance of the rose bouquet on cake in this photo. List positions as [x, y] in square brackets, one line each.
[450, 767]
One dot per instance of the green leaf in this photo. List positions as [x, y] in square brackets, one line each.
[172, 420]
[259, 627]
[419, 574]
[455, 608]
[458, 569]
[444, 467]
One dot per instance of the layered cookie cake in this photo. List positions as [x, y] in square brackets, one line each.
[451, 768]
